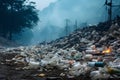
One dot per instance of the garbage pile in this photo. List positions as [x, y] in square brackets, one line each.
[87, 52]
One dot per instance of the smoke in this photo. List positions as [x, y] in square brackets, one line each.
[24, 37]
[53, 18]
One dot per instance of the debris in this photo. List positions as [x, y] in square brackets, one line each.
[88, 56]
[41, 75]
[87, 52]
[62, 74]
[96, 64]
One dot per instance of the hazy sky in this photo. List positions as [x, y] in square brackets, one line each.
[41, 4]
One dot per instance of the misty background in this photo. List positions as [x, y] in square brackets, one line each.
[53, 19]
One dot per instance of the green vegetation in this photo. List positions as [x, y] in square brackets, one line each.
[15, 15]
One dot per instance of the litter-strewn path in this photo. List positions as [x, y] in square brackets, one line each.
[88, 54]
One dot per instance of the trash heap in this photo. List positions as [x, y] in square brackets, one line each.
[87, 52]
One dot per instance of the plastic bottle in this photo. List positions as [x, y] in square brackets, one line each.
[96, 64]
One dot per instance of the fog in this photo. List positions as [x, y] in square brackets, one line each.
[53, 18]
